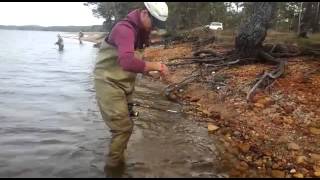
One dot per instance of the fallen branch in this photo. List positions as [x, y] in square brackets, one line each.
[309, 51]
[198, 61]
[284, 55]
[153, 107]
[179, 85]
[209, 53]
[223, 64]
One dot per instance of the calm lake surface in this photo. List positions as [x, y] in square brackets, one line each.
[50, 125]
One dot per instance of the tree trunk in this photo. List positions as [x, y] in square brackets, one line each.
[315, 24]
[306, 20]
[252, 33]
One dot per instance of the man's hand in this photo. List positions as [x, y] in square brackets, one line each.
[157, 66]
[154, 74]
[164, 70]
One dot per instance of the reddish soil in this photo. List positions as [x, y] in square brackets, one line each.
[277, 134]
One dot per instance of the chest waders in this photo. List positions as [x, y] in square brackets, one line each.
[114, 88]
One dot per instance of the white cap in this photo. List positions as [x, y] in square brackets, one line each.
[159, 10]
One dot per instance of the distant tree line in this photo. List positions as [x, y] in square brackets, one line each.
[95, 28]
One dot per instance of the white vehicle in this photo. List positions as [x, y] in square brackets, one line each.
[215, 26]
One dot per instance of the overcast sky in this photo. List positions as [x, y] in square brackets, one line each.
[47, 14]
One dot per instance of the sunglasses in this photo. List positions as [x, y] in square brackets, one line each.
[156, 23]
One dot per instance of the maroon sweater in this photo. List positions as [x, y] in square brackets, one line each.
[127, 36]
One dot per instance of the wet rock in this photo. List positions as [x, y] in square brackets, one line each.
[288, 109]
[246, 137]
[277, 121]
[277, 174]
[288, 176]
[316, 168]
[314, 130]
[269, 111]
[268, 153]
[213, 148]
[235, 173]
[242, 166]
[298, 175]
[288, 120]
[317, 173]
[236, 133]
[301, 159]
[212, 128]
[142, 124]
[275, 166]
[264, 102]
[214, 114]
[274, 116]
[315, 157]
[258, 163]
[194, 99]
[293, 171]
[244, 147]
[268, 101]
[249, 158]
[289, 166]
[259, 105]
[293, 146]
[154, 74]
[234, 151]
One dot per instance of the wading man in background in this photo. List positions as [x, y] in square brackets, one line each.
[60, 42]
[115, 74]
[80, 37]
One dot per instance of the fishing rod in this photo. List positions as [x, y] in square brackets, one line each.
[155, 108]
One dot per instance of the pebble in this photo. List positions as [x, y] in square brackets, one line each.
[298, 175]
[212, 128]
[293, 171]
[300, 159]
[315, 157]
[244, 147]
[314, 130]
[277, 174]
[293, 146]
[317, 173]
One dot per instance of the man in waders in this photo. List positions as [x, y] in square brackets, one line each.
[80, 37]
[115, 73]
[60, 42]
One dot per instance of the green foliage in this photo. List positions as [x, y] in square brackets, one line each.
[112, 11]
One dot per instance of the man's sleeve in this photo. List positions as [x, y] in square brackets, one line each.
[123, 38]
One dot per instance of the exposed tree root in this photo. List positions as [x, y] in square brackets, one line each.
[268, 77]
[210, 61]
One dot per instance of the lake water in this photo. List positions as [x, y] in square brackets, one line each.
[49, 120]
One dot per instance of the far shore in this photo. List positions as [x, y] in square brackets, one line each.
[94, 37]
[97, 37]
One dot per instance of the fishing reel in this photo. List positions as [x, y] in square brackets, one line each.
[132, 113]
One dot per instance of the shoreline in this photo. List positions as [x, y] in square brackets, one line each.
[95, 37]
